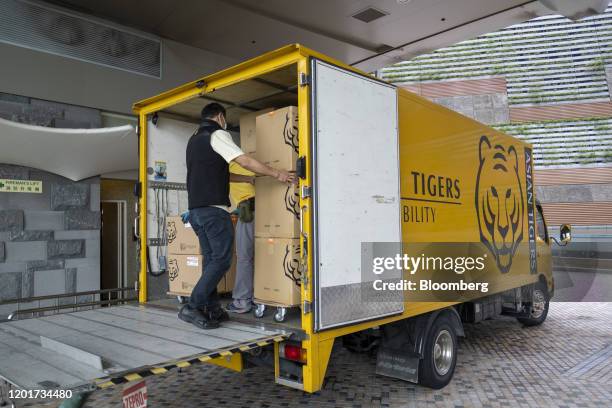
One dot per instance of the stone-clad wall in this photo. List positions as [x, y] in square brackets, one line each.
[49, 242]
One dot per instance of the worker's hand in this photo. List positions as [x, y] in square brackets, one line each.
[185, 217]
[285, 177]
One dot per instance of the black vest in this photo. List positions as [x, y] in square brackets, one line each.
[207, 171]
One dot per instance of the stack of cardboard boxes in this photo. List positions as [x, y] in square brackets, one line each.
[185, 260]
[277, 212]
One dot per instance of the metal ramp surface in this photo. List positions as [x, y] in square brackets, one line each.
[114, 345]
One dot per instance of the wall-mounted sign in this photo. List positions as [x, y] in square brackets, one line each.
[160, 171]
[20, 186]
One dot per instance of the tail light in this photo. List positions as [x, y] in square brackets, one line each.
[292, 352]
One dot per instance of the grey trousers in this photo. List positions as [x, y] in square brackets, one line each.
[245, 255]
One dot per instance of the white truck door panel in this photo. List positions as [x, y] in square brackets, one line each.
[355, 191]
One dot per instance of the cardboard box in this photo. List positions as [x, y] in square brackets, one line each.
[276, 267]
[230, 277]
[184, 272]
[181, 238]
[247, 130]
[277, 138]
[277, 209]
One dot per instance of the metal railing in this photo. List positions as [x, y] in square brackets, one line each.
[103, 297]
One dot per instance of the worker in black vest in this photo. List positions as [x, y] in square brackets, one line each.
[209, 152]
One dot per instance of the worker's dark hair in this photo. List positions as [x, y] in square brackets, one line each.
[211, 110]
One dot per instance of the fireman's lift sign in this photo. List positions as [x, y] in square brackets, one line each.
[20, 186]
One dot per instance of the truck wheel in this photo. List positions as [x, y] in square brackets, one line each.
[539, 307]
[437, 366]
[362, 341]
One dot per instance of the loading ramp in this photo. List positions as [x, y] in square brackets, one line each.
[113, 345]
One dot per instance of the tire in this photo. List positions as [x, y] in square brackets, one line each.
[363, 341]
[538, 307]
[437, 366]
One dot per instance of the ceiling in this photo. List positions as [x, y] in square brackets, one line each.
[271, 90]
[245, 28]
[92, 151]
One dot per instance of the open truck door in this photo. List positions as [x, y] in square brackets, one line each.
[356, 192]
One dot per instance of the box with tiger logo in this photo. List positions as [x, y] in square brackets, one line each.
[181, 238]
[277, 209]
[277, 278]
[277, 138]
[184, 272]
[185, 261]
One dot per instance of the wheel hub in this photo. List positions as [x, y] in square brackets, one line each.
[443, 352]
[538, 305]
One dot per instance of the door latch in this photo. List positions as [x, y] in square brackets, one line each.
[306, 307]
[304, 79]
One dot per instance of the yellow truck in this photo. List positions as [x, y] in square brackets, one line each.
[380, 169]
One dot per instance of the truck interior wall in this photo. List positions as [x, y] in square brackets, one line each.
[167, 141]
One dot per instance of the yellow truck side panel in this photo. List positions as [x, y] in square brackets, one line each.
[465, 184]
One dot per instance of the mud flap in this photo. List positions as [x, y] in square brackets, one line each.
[403, 342]
[398, 355]
[397, 364]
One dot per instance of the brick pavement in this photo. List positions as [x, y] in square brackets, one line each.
[567, 362]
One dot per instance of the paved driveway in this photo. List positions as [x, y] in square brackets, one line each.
[567, 362]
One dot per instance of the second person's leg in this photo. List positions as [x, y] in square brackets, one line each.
[243, 287]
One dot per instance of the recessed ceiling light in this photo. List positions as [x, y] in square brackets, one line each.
[368, 15]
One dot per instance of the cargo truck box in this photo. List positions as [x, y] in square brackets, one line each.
[276, 271]
[247, 130]
[277, 138]
[182, 240]
[277, 209]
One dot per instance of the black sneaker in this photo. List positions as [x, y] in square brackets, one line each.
[197, 318]
[217, 313]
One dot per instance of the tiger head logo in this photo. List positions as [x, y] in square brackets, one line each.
[291, 263]
[171, 231]
[290, 132]
[292, 201]
[173, 269]
[500, 203]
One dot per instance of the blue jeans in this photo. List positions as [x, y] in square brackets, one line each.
[215, 231]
